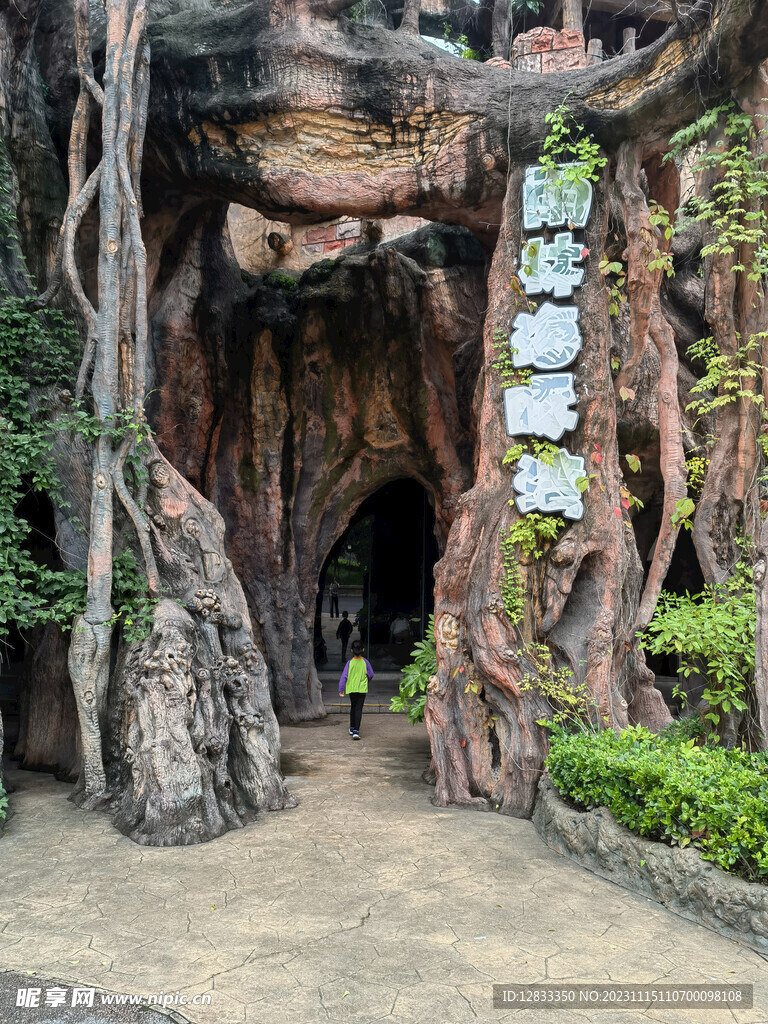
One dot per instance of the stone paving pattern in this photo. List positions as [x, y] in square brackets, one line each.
[365, 903]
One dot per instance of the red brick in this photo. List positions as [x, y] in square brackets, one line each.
[543, 41]
[525, 42]
[330, 246]
[567, 38]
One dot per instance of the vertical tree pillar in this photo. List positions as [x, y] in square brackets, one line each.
[572, 15]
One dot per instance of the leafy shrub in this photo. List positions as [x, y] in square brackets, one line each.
[531, 535]
[713, 633]
[571, 703]
[734, 207]
[3, 803]
[36, 351]
[667, 788]
[412, 697]
[279, 279]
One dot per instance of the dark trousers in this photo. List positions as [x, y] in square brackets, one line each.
[344, 650]
[335, 605]
[356, 701]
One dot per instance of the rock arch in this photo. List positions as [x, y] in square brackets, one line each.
[289, 402]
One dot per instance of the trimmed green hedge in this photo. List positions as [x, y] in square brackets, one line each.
[668, 788]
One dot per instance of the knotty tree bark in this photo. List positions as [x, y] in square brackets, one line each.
[648, 325]
[582, 596]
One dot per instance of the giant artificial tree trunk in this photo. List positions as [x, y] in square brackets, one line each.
[193, 745]
[303, 114]
[184, 726]
[582, 595]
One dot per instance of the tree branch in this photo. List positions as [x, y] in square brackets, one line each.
[415, 130]
[648, 323]
[137, 517]
[409, 23]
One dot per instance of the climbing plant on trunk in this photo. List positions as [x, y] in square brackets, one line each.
[113, 364]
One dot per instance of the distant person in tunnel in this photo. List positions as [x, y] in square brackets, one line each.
[354, 682]
[333, 597]
[343, 633]
[400, 630]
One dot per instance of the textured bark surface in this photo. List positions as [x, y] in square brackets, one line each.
[192, 741]
[289, 406]
[199, 670]
[286, 407]
[580, 597]
[244, 98]
[648, 325]
[735, 316]
[49, 736]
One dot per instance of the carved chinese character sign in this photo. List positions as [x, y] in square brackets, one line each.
[551, 200]
[549, 266]
[548, 339]
[542, 408]
[550, 488]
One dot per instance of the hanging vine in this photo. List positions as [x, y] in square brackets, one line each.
[112, 370]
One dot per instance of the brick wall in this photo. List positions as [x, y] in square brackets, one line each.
[546, 50]
[249, 232]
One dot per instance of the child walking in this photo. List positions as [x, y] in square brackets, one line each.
[354, 681]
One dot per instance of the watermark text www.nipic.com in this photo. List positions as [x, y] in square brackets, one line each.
[31, 998]
[551, 996]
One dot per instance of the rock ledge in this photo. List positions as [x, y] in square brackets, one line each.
[678, 879]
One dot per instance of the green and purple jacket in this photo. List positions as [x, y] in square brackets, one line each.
[354, 678]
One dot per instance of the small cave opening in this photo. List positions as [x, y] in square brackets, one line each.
[381, 574]
[683, 576]
[36, 509]
[493, 739]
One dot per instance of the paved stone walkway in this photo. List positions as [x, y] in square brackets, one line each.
[363, 904]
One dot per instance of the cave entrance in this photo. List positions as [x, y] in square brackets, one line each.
[383, 566]
[36, 508]
[683, 576]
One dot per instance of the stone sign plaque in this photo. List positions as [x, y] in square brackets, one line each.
[548, 339]
[549, 204]
[546, 488]
[549, 266]
[543, 407]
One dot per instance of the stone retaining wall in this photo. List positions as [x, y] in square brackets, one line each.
[678, 879]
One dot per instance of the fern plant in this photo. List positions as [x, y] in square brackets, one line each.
[412, 698]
